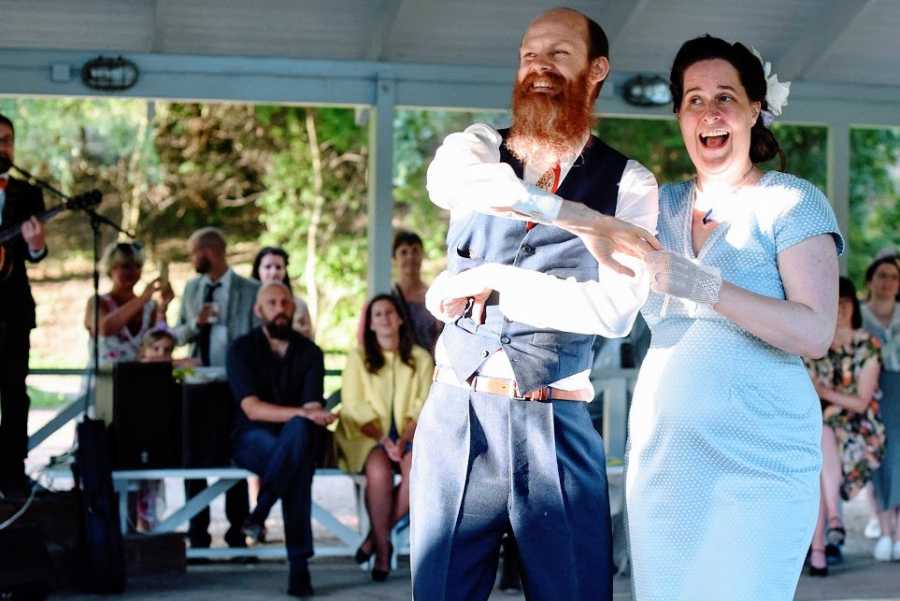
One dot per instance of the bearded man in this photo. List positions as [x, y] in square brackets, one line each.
[276, 376]
[504, 444]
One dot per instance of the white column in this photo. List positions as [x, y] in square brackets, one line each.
[839, 180]
[381, 187]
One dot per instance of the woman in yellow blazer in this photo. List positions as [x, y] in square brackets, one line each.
[385, 384]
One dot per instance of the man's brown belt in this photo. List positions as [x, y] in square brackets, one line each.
[507, 387]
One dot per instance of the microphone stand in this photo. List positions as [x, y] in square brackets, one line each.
[96, 220]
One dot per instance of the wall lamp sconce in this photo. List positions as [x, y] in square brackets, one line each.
[647, 90]
[109, 74]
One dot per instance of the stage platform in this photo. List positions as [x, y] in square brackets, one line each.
[859, 579]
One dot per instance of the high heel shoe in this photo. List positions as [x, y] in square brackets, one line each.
[361, 555]
[835, 534]
[813, 570]
[382, 575]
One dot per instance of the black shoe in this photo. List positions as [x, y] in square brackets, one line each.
[253, 531]
[813, 570]
[382, 575]
[235, 538]
[361, 555]
[299, 582]
[835, 535]
[833, 555]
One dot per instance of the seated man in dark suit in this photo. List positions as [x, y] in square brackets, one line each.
[276, 376]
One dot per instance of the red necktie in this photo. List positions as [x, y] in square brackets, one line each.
[3, 182]
[549, 181]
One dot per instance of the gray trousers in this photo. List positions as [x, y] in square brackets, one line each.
[483, 465]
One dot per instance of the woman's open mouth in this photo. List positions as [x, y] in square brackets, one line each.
[716, 138]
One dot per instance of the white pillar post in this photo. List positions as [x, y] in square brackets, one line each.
[381, 187]
[839, 180]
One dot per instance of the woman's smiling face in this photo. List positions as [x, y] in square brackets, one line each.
[716, 117]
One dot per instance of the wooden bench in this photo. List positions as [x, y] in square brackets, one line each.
[224, 478]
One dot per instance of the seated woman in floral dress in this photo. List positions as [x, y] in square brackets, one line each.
[846, 380]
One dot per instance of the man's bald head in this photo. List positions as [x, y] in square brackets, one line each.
[277, 289]
[589, 30]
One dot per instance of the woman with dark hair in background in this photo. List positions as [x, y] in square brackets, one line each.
[846, 380]
[384, 387]
[270, 265]
[881, 317]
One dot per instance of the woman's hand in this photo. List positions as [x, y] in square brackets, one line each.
[372, 430]
[166, 295]
[679, 276]
[393, 449]
[150, 289]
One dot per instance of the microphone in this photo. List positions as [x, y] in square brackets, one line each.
[5, 163]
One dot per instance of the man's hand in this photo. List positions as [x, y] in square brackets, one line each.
[603, 235]
[449, 296]
[207, 314]
[318, 414]
[33, 234]
[372, 430]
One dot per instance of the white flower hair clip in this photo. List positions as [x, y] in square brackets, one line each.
[777, 92]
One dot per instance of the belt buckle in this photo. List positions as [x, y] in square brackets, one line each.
[538, 394]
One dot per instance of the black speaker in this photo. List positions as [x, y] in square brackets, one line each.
[146, 422]
[24, 564]
[207, 410]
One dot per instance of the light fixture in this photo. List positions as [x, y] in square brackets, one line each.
[109, 74]
[647, 90]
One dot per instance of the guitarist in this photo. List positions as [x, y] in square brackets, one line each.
[19, 203]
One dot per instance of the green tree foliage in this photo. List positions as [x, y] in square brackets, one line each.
[874, 196]
[314, 205]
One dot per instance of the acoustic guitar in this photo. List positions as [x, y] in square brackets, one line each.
[7, 234]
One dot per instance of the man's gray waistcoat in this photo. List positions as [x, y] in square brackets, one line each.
[539, 357]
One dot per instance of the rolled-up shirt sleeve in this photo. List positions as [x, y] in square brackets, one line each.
[467, 175]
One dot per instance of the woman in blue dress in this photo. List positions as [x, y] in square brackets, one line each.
[722, 484]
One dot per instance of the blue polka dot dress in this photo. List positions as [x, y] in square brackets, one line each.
[723, 464]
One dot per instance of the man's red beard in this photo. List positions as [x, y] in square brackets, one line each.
[547, 127]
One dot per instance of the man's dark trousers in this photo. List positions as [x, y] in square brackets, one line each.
[285, 463]
[484, 465]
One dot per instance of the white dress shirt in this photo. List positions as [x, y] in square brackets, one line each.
[467, 175]
[218, 335]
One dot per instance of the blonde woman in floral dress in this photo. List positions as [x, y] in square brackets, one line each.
[846, 380]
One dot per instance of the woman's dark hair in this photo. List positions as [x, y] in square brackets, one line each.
[763, 145]
[4, 120]
[873, 267]
[846, 289]
[271, 250]
[403, 237]
[374, 356]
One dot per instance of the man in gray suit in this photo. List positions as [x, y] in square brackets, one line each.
[216, 308]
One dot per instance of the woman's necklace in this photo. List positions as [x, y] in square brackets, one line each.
[704, 203]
